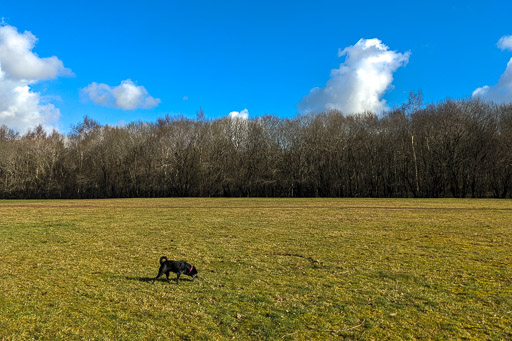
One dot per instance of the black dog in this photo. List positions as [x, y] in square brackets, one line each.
[178, 267]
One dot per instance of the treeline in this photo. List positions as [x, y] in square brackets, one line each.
[450, 149]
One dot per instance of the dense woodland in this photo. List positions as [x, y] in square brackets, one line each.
[459, 148]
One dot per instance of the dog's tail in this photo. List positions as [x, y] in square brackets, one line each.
[163, 259]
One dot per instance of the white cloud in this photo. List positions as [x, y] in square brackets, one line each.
[126, 96]
[21, 108]
[360, 82]
[244, 114]
[19, 62]
[505, 43]
[502, 91]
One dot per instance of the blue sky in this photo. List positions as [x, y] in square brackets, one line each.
[263, 56]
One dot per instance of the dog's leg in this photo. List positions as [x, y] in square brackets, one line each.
[154, 279]
[167, 275]
[178, 278]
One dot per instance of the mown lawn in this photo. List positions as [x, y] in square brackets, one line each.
[296, 269]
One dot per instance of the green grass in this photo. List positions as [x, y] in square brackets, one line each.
[290, 269]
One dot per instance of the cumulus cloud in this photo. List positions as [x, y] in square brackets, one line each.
[20, 107]
[502, 91]
[126, 96]
[244, 114]
[505, 43]
[19, 62]
[360, 82]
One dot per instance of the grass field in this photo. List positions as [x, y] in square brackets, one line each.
[284, 269]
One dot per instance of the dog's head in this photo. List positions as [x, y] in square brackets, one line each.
[192, 272]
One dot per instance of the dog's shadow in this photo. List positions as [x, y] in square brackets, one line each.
[150, 279]
[142, 279]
